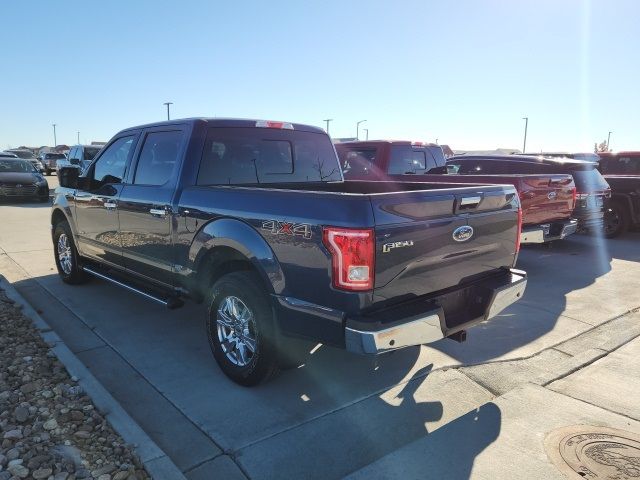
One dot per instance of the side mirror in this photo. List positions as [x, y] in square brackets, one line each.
[68, 177]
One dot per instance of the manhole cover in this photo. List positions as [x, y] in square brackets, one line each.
[584, 451]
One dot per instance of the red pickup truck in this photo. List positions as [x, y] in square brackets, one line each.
[547, 200]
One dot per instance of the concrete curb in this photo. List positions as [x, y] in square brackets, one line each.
[155, 461]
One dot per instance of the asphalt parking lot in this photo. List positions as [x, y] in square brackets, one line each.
[339, 412]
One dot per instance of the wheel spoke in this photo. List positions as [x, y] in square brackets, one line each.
[250, 343]
[224, 319]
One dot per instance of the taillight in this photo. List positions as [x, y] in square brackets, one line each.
[574, 195]
[353, 257]
[519, 230]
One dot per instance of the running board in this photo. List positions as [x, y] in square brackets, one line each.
[169, 302]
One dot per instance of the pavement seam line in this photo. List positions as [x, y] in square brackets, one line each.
[591, 361]
[592, 404]
[117, 416]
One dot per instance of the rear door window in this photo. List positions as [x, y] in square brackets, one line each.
[158, 157]
[237, 156]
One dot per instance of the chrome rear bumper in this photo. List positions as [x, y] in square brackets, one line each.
[431, 325]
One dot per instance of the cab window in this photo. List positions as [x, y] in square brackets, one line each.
[112, 164]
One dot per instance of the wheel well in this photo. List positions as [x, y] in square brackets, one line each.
[218, 262]
[57, 216]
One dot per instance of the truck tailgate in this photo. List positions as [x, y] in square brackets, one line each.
[420, 247]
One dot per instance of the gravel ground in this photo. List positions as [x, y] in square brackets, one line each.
[49, 429]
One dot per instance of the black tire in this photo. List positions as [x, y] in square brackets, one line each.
[236, 360]
[71, 273]
[616, 219]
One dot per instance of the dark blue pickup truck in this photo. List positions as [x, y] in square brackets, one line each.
[254, 218]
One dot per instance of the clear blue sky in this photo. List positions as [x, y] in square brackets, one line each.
[464, 72]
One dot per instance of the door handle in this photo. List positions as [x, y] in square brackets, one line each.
[110, 205]
[159, 212]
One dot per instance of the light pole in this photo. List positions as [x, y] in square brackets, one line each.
[55, 140]
[327, 120]
[366, 132]
[167, 104]
[526, 125]
[608, 140]
[78, 138]
[358, 129]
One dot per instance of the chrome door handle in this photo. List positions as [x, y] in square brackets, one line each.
[159, 212]
[110, 205]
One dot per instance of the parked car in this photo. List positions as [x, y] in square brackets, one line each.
[592, 188]
[29, 156]
[50, 159]
[20, 180]
[622, 210]
[254, 218]
[547, 199]
[81, 155]
[8, 155]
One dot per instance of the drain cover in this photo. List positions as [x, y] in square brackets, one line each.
[584, 451]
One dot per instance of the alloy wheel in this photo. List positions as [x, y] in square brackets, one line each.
[64, 254]
[236, 331]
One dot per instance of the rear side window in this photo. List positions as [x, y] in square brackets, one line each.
[158, 158]
[437, 157]
[237, 156]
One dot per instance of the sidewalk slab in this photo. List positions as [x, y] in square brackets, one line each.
[613, 382]
[331, 446]
[220, 468]
[460, 449]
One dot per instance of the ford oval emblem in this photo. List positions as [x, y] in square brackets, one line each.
[462, 234]
[552, 195]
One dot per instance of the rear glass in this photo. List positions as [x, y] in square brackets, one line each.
[588, 181]
[237, 156]
[23, 154]
[54, 155]
[356, 161]
[438, 156]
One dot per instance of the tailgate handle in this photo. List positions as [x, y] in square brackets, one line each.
[470, 201]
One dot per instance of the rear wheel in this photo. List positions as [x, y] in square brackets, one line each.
[66, 255]
[240, 329]
[616, 220]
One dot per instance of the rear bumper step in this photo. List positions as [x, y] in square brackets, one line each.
[170, 302]
[449, 314]
[548, 232]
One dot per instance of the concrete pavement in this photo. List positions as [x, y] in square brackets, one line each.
[339, 412]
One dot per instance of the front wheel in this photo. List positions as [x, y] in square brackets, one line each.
[240, 329]
[616, 220]
[66, 255]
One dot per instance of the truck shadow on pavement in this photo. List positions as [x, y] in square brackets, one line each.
[552, 305]
[449, 452]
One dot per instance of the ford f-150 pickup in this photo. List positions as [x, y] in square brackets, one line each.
[254, 218]
[547, 200]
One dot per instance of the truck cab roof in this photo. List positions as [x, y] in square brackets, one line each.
[230, 123]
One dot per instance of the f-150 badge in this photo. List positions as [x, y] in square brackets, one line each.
[387, 247]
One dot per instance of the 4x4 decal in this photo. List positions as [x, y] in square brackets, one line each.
[287, 228]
